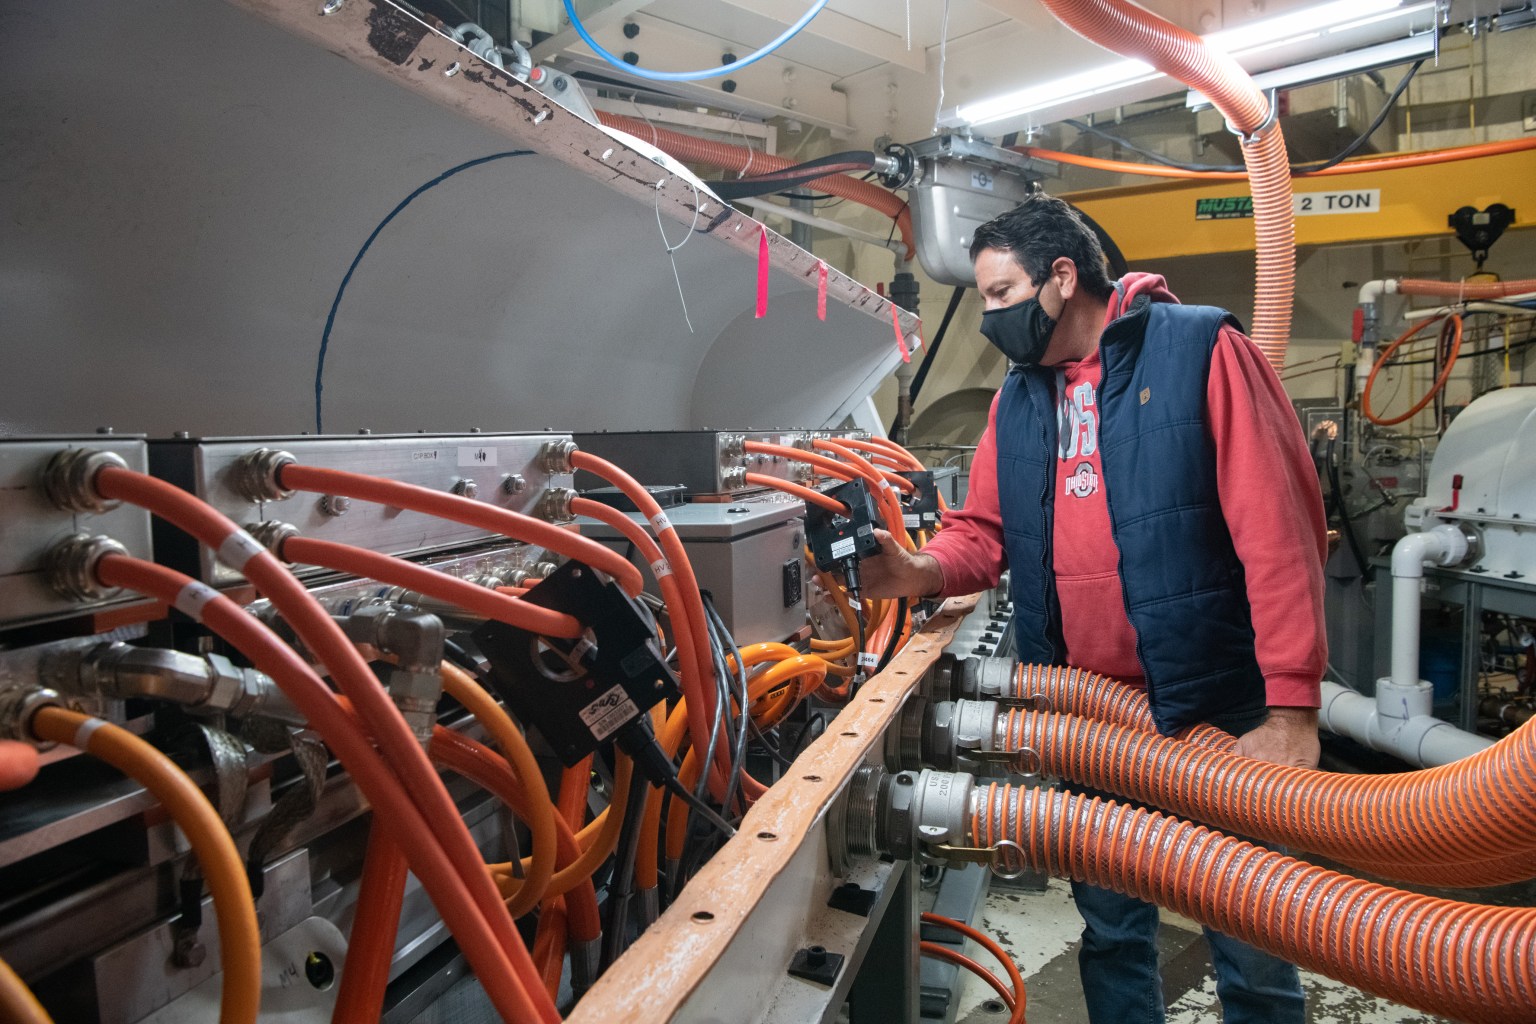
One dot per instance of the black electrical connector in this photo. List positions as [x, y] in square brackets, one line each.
[580, 693]
[836, 538]
[920, 509]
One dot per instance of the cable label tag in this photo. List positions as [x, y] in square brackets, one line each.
[239, 548]
[661, 568]
[868, 660]
[844, 547]
[193, 598]
[912, 519]
[821, 290]
[762, 273]
[901, 343]
[660, 522]
[606, 715]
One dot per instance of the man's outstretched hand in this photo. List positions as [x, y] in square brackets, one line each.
[896, 572]
[1288, 736]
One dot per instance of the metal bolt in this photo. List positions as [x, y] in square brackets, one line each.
[466, 488]
[513, 483]
[816, 956]
[104, 430]
[334, 504]
[331, 6]
[182, 435]
[451, 70]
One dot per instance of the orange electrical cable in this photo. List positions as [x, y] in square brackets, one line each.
[490, 771]
[449, 889]
[940, 952]
[326, 641]
[1132, 31]
[1434, 389]
[809, 495]
[17, 1003]
[371, 942]
[1459, 960]
[540, 812]
[398, 572]
[217, 856]
[397, 494]
[703, 698]
[992, 946]
[575, 785]
[549, 940]
[690, 149]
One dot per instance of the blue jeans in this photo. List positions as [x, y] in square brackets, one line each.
[1118, 959]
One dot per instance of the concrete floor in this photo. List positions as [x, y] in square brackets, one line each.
[1041, 929]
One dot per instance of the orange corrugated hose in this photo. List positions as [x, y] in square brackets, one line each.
[1467, 289]
[1077, 691]
[1465, 961]
[1363, 165]
[239, 934]
[1134, 32]
[18, 764]
[689, 149]
[371, 943]
[454, 892]
[17, 1003]
[1477, 815]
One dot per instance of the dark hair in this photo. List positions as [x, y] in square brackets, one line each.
[1037, 233]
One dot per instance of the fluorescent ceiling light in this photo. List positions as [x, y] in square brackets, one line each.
[1369, 58]
[1283, 30]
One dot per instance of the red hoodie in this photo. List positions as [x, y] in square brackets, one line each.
[1269, 496]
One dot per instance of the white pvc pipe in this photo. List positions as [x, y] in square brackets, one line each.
[1419, 739]
[1439, 545]
[1373, 290]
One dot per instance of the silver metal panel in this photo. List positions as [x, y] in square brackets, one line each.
[697, 459]
[437, 462]
[177, 226]
[738, 551]
[30, 525]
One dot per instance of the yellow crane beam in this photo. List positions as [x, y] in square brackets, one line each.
[1189, 218]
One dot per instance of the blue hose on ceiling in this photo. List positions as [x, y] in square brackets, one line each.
[689, 76]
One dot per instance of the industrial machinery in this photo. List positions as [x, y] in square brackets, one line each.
[591, 721]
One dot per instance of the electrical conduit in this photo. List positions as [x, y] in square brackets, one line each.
[1133, 32]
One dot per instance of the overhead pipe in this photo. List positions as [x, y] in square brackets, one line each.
[741, 159]
[1133, 32]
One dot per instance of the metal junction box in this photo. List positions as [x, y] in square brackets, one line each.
[749, 555]
[30, 525]
[706, 462]
[500, 469]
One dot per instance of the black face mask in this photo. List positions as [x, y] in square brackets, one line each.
[1021, 331]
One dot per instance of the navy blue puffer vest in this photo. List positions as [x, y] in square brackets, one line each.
[1183, 583]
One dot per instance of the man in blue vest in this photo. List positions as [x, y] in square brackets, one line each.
[1145, 481]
